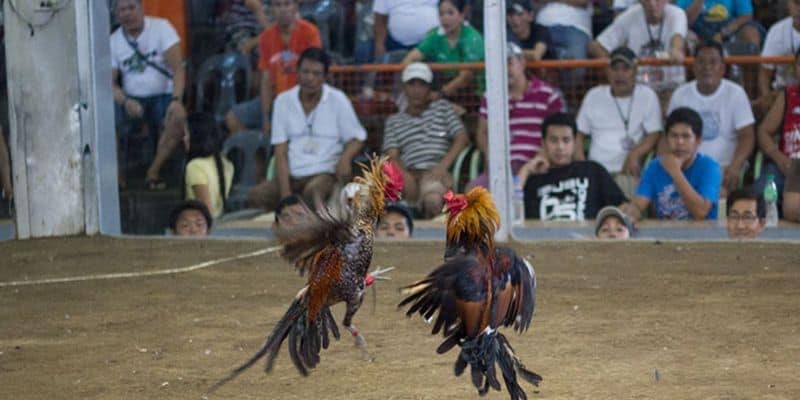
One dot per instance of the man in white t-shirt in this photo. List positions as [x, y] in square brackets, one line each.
[728, 133]
[652, 28]
[402, 24]
[316, 134]
[623, 120]
[146, 58]
[783, 39]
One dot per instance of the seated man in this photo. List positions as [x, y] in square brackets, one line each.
[279, 47]
[530, 100]
[746, 214]
[146, 55]
[568, 189]
[791, 194]
[423, 140]
[316, 134]
[650, 29]
[623, 120]
[612, 223]
[682, 183]
[722, 20]
[524, 31]
[190, 218]
[728, 133]
[782, 40]
[396, 223]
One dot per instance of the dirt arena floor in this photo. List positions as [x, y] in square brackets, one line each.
[637, 320]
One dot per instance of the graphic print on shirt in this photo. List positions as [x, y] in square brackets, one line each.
[565, 201]
[711, 123]
[137, 64]
[670, 205]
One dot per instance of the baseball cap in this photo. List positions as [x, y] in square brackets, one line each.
[513, 50]
[417, 70]
[623, 54]
[611, 211]
[518, 6]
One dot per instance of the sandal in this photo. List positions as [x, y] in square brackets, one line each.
[155, 184]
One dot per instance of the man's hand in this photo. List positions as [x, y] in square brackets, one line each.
[176, 112]
[632, 166]
[671, 164]
[133, 108]
[344, 170]
[676, 55]
[730, 178]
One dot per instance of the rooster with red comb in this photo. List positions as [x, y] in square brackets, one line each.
[334, 246]
[477, 290]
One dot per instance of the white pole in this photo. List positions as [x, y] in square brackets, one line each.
[494, 28]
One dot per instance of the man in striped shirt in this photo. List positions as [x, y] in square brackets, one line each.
[423, 140]
[530, 100]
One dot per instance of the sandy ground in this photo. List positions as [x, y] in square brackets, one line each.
[613, 321]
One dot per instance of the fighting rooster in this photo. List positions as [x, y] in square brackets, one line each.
[335, 248]
[478, 289]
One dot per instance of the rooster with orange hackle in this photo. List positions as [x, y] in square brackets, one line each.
[334, 246]
[477, 290]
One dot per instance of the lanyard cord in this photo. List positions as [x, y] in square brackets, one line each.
[650, 33]
[625, 119]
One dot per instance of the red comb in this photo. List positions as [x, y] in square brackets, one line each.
[455, 202]
[394, 180]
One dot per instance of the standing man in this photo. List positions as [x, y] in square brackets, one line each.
[402, 24]
[146, 59]
[728, 133]
[623, 120]
[424, 140]
[682, 183]
[316, 134]
[279, 48]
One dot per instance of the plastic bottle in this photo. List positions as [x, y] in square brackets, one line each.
[771, 200]
[518, 203]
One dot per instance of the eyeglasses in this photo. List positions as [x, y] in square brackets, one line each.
[746, 218]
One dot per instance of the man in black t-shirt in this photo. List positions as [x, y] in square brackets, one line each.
[559, 188]
[523, 31]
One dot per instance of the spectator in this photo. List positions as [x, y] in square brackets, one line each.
[612, 223]
[791, 194]
[279, 47]
[190, 218]
[782, 40]
[290, 211]
[402, 24]
[316, 134]
[728, 133]
[619, 6]
[424, 140]
[652, 28]
[530, 100]
[722, 20]
[683, 183]
[364, 43]
[5, 169]
[396, 223]
[454, 41]
[561, 188]
[623, 120]
[782, 119]
[569, 25]
[747, 214]
[244, 20]
[146, 55]
[209, 174]
[524, 31]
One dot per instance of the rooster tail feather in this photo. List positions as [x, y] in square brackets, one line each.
[271, 345]
[485, 354]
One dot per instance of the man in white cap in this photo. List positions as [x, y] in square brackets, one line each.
[424, 140]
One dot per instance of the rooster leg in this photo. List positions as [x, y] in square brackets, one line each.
[361, 343]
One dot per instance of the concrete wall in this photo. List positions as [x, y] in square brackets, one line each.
[53, 103]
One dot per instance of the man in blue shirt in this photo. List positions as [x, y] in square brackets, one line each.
[682, 184]
[723, 20]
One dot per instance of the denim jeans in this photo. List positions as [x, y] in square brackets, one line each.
[154, 109]
[567, 42]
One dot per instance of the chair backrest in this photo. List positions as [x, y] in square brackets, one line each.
[242, 149]
[222, 69]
